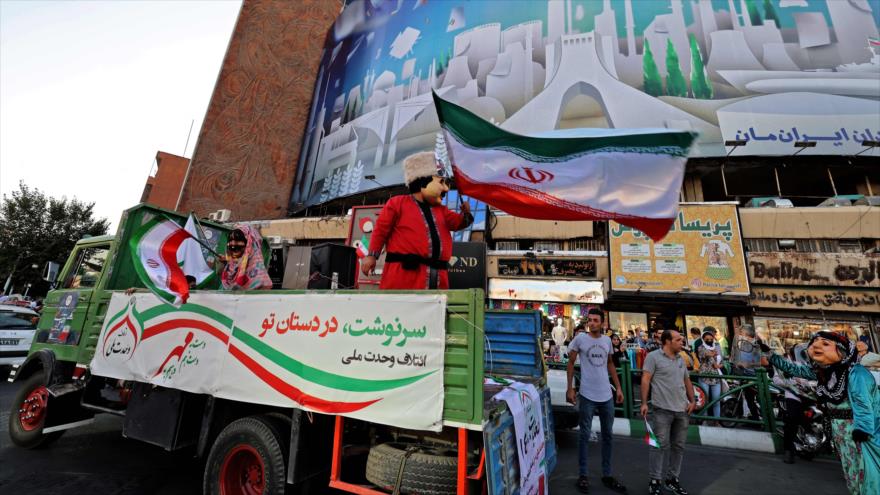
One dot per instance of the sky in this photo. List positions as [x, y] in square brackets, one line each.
[90, 91]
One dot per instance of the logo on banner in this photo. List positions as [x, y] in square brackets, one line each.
[528, 174]
[121, 340]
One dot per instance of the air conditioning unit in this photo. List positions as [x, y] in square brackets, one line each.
[220, 215]
[274, 240]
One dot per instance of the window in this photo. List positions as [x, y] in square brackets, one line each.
[761, 245]
[804, 246]
[87, 269]
[586, 244]
[849, 246]
[507, 245]
[11, 319]
[546, 246]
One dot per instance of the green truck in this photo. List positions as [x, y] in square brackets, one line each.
[238, 391]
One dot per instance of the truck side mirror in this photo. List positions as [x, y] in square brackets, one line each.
[50, 272]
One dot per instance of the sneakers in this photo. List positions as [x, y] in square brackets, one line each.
[613, 484]
[673, 486]
[583, 484]
[655, 488]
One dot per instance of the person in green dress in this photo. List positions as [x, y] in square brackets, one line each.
[849, 396]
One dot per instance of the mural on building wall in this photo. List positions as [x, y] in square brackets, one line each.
[766, 72]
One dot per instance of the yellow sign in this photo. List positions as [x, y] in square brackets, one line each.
[702, 254]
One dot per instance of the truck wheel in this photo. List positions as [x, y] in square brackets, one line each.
[248, 458]
[28, 413]
[428, 470]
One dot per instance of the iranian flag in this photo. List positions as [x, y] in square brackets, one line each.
[631, 176]
[154, 250]
[650, 438]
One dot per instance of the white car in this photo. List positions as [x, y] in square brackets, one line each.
[17, 329]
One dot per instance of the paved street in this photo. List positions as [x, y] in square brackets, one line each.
[96, 459]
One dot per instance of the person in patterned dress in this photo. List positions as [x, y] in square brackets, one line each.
[849, 395]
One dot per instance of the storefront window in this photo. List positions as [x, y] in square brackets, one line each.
[621, 323]
[701, 322]
[782, 334]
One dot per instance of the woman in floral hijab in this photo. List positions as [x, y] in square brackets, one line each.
[244, 267]
[848, 394]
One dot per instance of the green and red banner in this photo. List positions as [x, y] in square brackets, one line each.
[375, 357]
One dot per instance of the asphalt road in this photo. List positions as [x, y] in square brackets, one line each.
[95, 459]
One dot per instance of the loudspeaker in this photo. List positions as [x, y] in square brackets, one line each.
[328, 259]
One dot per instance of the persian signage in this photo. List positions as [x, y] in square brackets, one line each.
[366, 356]
[547, 267]
[821, 269]
[854, 300]
[567, 291]
[702, 254]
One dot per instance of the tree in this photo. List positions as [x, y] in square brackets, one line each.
[754, 14]
[700, 85]
[653, 83]
[770, 13]
[675, 83]
[35, 228]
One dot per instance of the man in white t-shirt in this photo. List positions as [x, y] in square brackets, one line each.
[559, 334]
[596, 396]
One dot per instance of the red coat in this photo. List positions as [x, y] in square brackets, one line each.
[402, 228]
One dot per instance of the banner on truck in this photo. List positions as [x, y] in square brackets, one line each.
[525, 406]
[377, 358]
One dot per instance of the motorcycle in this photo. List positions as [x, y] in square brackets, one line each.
[811, 437]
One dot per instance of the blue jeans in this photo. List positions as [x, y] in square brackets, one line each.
[712, 393]
[605, 410]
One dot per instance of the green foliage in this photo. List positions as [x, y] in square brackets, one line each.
[770, 13]
[700, 85]
[675, 83]
[35, 228]
[754, 14]
[653, 82]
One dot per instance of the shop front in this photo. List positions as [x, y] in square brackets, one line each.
[695, 277]
[797, 294]
[563, 285]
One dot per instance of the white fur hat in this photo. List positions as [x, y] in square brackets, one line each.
[419, 165]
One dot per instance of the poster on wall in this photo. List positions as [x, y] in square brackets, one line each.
[767, 73]
[703, 253]
[363, 221]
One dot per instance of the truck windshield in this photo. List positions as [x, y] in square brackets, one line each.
[87, 269]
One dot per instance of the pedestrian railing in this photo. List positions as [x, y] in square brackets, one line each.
[740, 388]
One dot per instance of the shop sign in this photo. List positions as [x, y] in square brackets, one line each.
[547, 267]
[702, 254]
[828, 269]
[862, 301]
[567, 291]
[467, 265]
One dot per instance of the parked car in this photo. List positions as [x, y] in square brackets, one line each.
[17, 328]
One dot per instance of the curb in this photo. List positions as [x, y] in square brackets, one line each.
[713, 436]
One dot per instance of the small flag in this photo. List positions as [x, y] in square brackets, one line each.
[191, 257]
[873, 41]
[154, 250]
[650, 438]
[630, 176]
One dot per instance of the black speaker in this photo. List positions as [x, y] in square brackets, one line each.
[328, 259]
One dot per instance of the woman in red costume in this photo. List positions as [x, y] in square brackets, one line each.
[415, 230]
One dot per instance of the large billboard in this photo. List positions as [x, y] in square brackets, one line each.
[768, 73]
[701, 254]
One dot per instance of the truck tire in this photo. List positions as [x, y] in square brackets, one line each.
[428, 470]
[248, 458]
[28, 413]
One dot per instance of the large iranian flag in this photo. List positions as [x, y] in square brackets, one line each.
[154, 250]
[631, 176]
